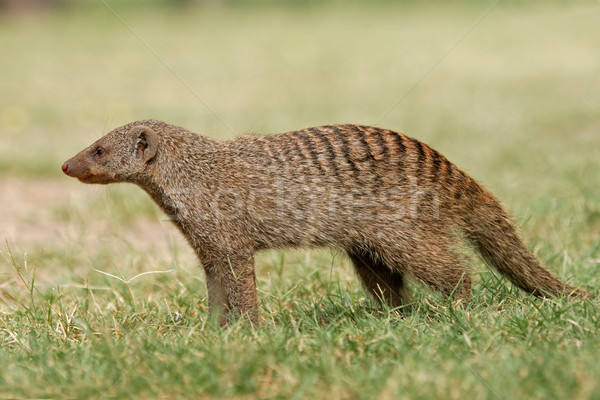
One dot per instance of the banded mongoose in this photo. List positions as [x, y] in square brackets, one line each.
[393, 204]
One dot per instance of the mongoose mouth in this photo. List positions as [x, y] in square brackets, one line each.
[84, 176]
[93, 179]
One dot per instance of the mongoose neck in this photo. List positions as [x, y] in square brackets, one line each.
[183, 165]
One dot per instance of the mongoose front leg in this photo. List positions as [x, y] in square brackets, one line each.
[231, 286]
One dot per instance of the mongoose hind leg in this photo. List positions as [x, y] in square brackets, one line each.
[440, 269]
[231, 286]
[384, 284]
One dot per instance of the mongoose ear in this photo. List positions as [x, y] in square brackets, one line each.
[146, 142]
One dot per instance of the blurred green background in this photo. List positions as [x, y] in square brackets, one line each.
[520, 89]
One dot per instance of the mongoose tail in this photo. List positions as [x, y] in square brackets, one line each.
[493, 234]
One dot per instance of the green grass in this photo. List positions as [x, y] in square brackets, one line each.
[515, 104]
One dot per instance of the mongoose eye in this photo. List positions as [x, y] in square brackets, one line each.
[98, 152]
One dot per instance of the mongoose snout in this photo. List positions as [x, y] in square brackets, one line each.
[71, 169]
[77, 170]
[396, 206]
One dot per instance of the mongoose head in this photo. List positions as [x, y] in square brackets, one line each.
[120, 156]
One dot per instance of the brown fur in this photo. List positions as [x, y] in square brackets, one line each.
[395, 205]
